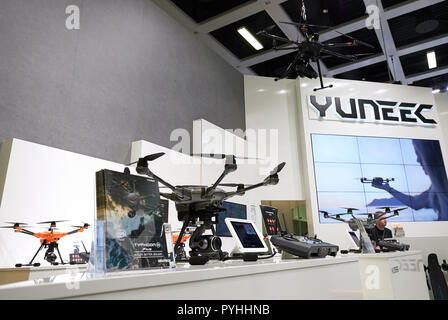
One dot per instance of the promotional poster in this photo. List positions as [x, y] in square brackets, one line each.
[132, 219]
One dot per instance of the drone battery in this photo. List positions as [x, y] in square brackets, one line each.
[304, 247]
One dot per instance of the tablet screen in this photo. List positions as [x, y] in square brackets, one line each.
[247, 235]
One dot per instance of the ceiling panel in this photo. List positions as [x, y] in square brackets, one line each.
[417, 62]
[376, 72]
[201, 10]
[326, 12]
[390, 3]
[413, 24]
[420, 25]
[229, 37]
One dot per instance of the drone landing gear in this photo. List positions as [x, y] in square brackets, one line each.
[321, 80]
[31, 264]
[49, 256]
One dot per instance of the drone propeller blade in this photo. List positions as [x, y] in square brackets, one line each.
[329, 27]
[356, 40]
[362, 54]
[278, 168]
[234, 185]
[19, 223]
[150, 157]
[271, 27]
[43, 222]
[8, 227]
[387, 209]
[275, 38]
[338, 55]
[305, 25]
[153, 156]
[222, 156]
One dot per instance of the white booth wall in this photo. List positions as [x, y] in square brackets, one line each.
[283, 105]
[441, 100]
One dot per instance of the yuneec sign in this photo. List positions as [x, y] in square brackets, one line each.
[369, 110]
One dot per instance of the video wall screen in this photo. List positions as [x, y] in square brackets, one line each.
[371, 172]
[233, 210]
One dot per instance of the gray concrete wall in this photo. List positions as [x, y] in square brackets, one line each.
[131, 72]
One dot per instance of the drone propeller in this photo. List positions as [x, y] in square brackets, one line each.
[53, 221]
[326, 213]
[18, 223]
[234, 185]
[386, 209]
[86, 225]
[150, 157]
[328, 27]
[338, 55]
[222, 156]
[271, 27]
[277, 169]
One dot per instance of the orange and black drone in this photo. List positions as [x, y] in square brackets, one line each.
[48, 239]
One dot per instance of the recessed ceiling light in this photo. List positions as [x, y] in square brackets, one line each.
[432, 62]
[250, 38]
[427, 26]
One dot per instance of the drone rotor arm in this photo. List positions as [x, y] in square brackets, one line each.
[336, 218]
[24, 231]
[18, 229]
[285, 48]
[356, 40]
[340, 44]
[338, 55]
[74, 231]
[272, 179]
[277, 38]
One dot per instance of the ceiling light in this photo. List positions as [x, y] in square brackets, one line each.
[436, 91]
[250, 38]
[432, 62]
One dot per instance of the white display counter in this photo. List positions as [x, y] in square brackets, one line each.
[394, 275]
[11, 275]
[326, 278]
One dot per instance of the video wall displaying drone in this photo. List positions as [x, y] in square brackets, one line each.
[371, 172]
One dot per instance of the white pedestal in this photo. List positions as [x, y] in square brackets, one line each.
[394, 275]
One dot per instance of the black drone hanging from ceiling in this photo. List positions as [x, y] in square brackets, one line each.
[310, 50]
